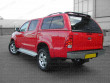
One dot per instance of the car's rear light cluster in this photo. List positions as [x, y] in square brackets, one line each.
[69, 42]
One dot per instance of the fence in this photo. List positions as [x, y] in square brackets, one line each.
[6, 31]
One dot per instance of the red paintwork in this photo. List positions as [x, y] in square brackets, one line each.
[57, 38]
[81, 42]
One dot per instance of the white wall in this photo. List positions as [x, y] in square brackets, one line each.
[84, 6]
[102, 8]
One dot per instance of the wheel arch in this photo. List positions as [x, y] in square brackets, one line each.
[45, 45]
[42, 45]
[12, 40]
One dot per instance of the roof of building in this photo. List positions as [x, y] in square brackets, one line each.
[11, 23]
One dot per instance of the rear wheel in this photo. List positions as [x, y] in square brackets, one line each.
[63, 59]
[44, 59]
[12, 48]
[79, 62]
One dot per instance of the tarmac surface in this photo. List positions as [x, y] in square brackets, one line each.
[23, 69]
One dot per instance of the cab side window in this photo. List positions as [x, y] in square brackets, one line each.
[33, 25]
[24, 27]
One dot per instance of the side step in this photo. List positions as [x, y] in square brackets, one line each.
[28, 52]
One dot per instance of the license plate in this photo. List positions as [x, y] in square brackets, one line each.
[87, 56]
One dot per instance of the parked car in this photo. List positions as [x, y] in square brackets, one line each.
[68, 35]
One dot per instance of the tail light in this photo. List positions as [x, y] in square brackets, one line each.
[102, 40]
[69, 42]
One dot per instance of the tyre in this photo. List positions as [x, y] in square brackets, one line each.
[63, 59]
[79, 62]
[44, 59]
[12, 48]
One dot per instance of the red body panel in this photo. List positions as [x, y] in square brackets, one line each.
[81, 41]
[56, 38]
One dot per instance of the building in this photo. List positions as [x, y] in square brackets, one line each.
[7, 26]
[11, 23]
[99, 10]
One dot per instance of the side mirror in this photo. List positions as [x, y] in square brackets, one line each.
[17, 29]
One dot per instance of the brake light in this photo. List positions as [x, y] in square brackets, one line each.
[102, 40]
[69, 42]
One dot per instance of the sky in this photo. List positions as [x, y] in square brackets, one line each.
[30, 9]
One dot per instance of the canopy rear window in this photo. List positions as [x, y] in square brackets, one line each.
[84, 24]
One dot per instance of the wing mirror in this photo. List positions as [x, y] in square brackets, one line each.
[17, 29]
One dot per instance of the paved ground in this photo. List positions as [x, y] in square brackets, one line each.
[23, 69]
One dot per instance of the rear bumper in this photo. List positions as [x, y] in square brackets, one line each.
[82, 54]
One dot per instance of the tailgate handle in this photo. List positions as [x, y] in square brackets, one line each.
[75, 33]
[89, 33]
[100, 35]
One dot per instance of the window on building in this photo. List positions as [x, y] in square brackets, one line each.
[76, 1]
[80, 0]
[80, 7]
[76, 7]
[24, 27]
[46, 23]
[57, 22]
[84, 6]
[33, 25]
[90, 5]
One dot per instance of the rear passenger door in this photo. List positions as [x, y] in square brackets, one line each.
[56, 27]
[31, 36]
[53, 30]
[58, 35]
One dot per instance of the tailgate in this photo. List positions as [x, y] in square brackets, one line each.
[87, 41]
[87, 34]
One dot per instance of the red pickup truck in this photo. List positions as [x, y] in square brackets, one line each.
[68, 35]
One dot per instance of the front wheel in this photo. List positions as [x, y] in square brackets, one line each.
[44, 59]
[12, 48]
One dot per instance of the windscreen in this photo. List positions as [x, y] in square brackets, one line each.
[84, 24]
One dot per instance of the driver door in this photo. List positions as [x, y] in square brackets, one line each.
[20, 36]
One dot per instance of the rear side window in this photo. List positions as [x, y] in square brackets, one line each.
[75, 20]
[33, 25]
[53, 23]
[57, 22]
[46, 23]
[82, 24]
